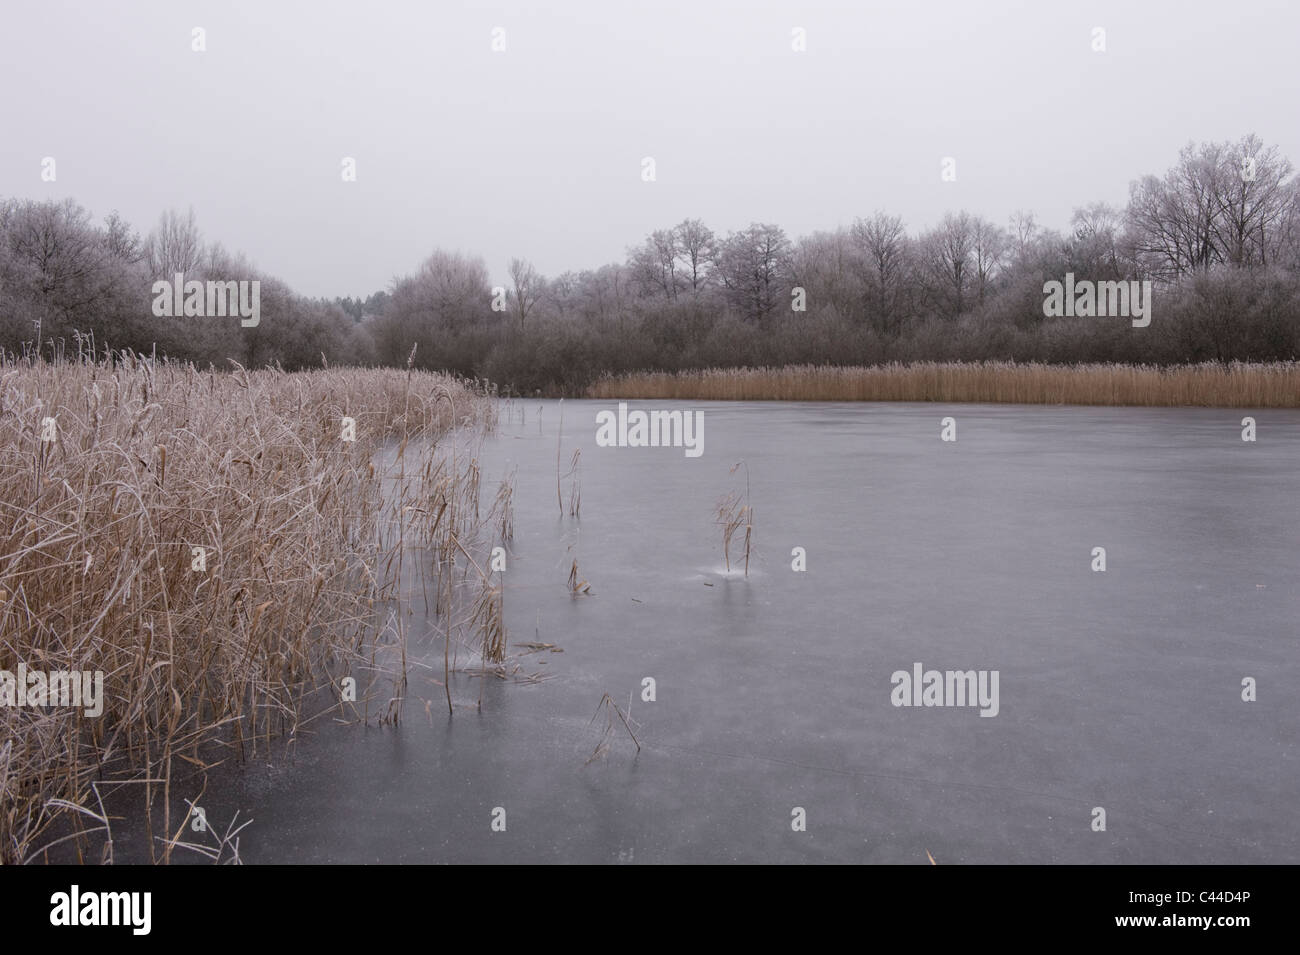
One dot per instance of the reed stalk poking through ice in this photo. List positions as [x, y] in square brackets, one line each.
[607, 735]
[575, 486]
[735, 512]
[577, 587]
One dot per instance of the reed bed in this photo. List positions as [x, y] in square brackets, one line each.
[302, 542]
[1206, 385]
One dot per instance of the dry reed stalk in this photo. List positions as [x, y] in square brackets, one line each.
[575, 486]
[503, 509]
[735, 512]
[559, 440]
[607, 735]
[575, 491]
[489, 619]
[577, 587]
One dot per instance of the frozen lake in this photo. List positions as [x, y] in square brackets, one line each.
[1119, 689]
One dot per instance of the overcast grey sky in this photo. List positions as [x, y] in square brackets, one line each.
[536, 151]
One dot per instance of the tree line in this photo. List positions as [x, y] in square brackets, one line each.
[1218, 234]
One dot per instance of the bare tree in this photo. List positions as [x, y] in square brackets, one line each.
[1093, 250]
[697, 247]
[825, 265]
[175, 244]
[1251, 204]
[947, 259]
[988, 249]
[65, 258]
[1221, 203]
[1284, 241]
[753, 264]
[1024, 231]
[120, 240]
[561, 293]
[449, 295]
[528, 288]
[664, 243]
[884, 252]
[653, 265]
[605, 291]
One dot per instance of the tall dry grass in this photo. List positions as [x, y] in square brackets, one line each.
[1208, 385]
[304, 544]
